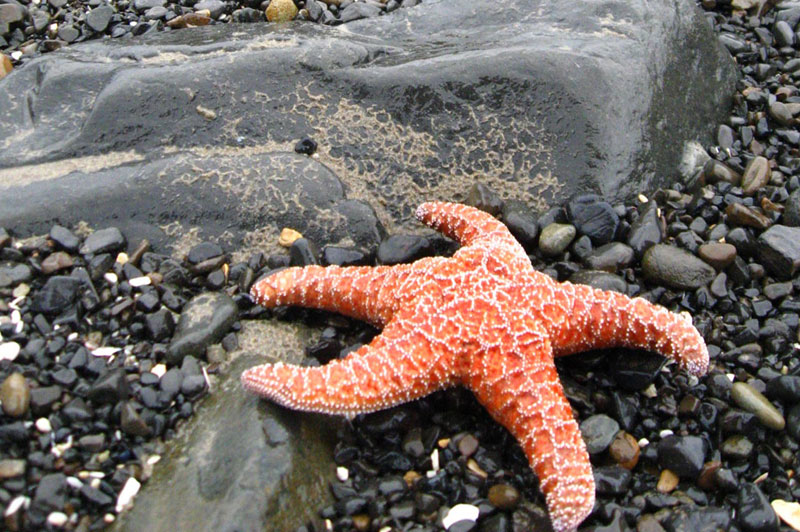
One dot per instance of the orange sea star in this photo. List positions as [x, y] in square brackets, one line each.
[484, 319]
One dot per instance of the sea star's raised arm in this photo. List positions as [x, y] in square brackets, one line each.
[473, 228]
[401, 364]
[517, 383]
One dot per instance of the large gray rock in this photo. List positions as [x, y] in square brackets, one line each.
[240, 462]
[539, 99]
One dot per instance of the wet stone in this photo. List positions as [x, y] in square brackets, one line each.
[556, 238]
[95, 496]
[676, 268]
[94, 443]
[109, 388]
[193, 385]
[43, 398]
[753, 401]
[791, 213]
[102, 241]
[171, 382]
[467, 445]
[303, 253]
[56, 296]
[697, 519]
[624, 450]
[504, 496]
[358, 10]
[785, 388]
[737, 447]
[634, 370]
[215, 7]
[12, 274]
[756, 175]
[281, 11]
[646, 231]
[753, 511]
[131, 423]
[601, 280]
[738, 214]
[342, 256]
[98, 18]
[522, 223]
[611, 480]
[159, 325]
[484, 198]
[779, 250]
[11, 468]
[15, 395]
[593, 217]
[77, 410]
[204, 320]
[205, 252]
[50, 493]
[398, 249]
[683, 455]
[775, 291]
[55, 262]
[718, 254]
[610, 257]
[598, 432]
[64, 238]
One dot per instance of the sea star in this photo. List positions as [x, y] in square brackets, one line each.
[484, 319]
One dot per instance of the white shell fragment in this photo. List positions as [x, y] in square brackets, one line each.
[158, 370]
[43, 425]
[342, 473]
[140, 281]
[111, 277]
[126, 495]
[16, 504]
[9, 351]
[789, 512]
[105, 351]
[460, 512]
[58, 519]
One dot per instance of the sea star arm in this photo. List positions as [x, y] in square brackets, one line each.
[401, 364]
[476, 231]
[520, 388]
[362, 292]
[597, 319]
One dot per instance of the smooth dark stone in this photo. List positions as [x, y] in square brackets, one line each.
[683, 455]
[601, 280]
[785, 388]
[131, 422]
[342, 256]
[359, 10]
[674, 267]
[12, 274]
[204, 320]
[697, 519]
[95, 496]
[203, 252]
[56, 296]
[484, 198]
[64, 238]
[398, 249]
[634, 369]
[50, 493]
[171, 382]
[522, 223]
[77, 410]
[110, 388]
[598, 431]
[594, 218]
[148, 302]
[610, 257]
[98, 18]
[193, 385]
[303, 253]
[611, 480]
[753, 511]
[103, 241]
[646, 231]
[43, 398]
[159, 325]
[779, 250]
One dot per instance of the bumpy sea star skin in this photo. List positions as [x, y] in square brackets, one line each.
[485, 319]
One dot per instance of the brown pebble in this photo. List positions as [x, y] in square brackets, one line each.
[361, 522]
[756, 175]
[624, 450]
[281, 11]
[11, 468]
[56, 261]
[467, 445]
[411, 478]
[5, 65]
[705, 480]
[717, 254]
[667, 481]
[288, 236]
[503, 496]
[141, 249]
[15, 395]
[189, 20]
[740, 214]
[770, 206]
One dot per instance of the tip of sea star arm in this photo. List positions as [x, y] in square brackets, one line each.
[570, 508]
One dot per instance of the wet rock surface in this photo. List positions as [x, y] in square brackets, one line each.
[543, 114]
